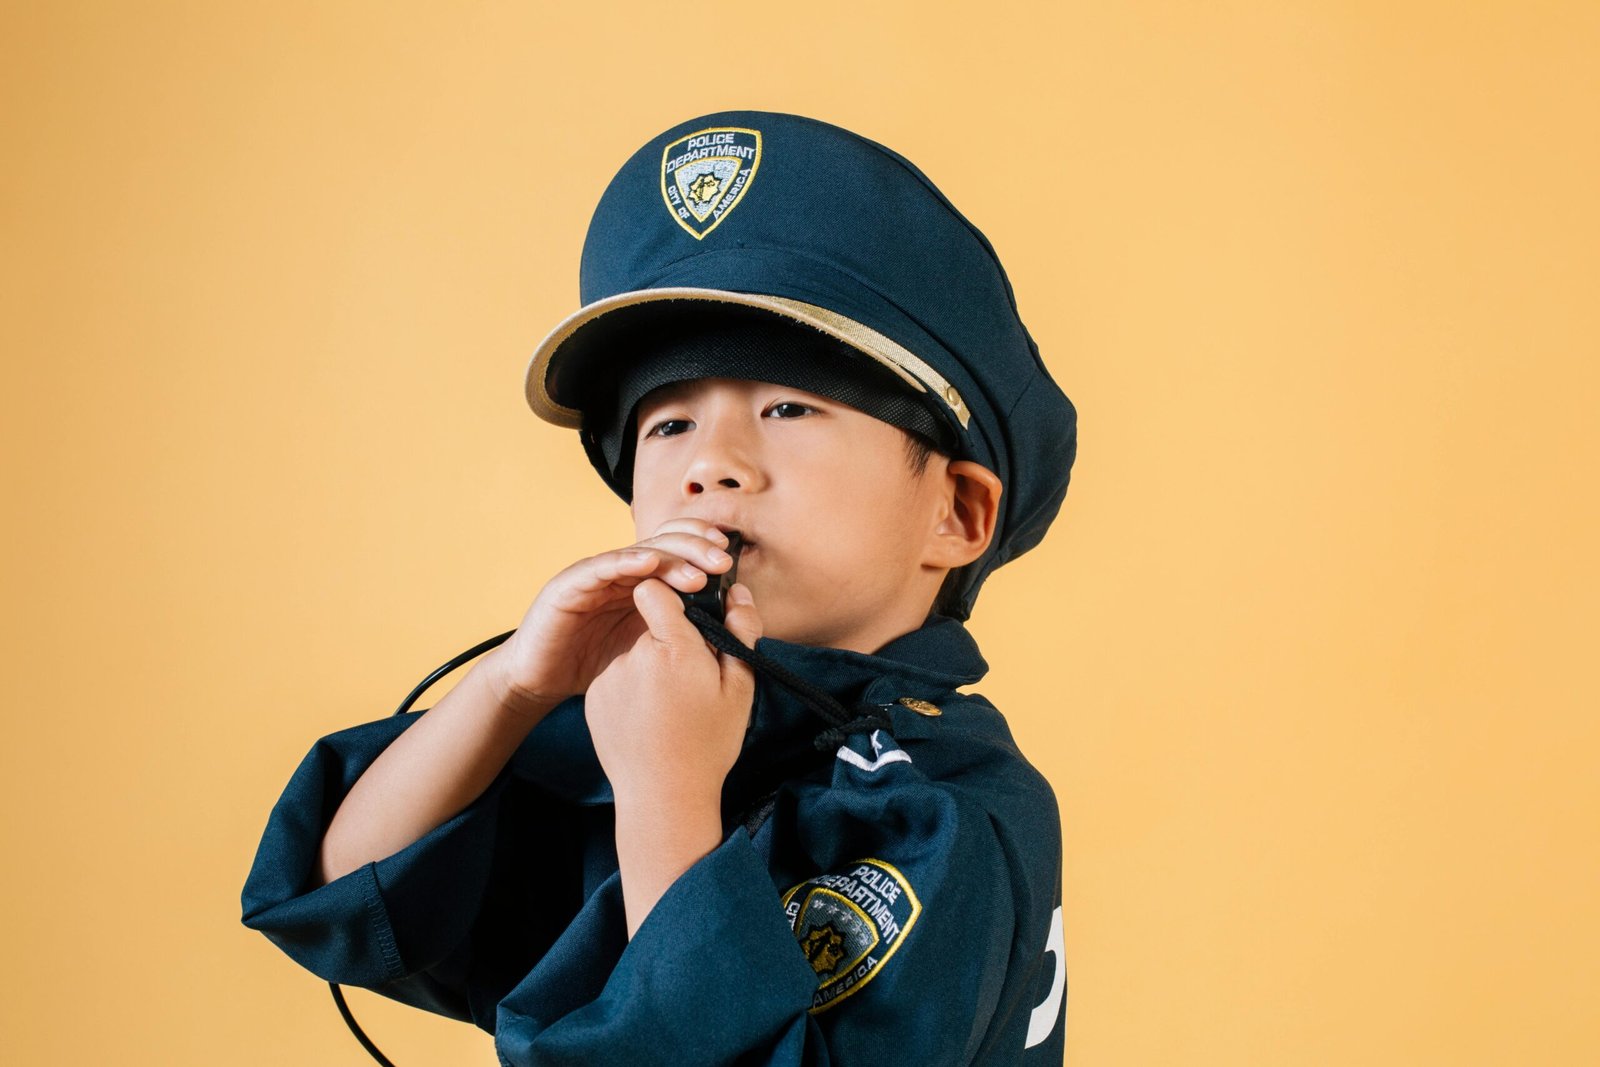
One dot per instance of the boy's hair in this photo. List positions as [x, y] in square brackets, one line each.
[918, 451]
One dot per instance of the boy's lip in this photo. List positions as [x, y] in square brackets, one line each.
[728, 528]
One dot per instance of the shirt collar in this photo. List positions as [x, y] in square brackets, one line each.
[928, 663]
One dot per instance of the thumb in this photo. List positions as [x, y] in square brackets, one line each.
[662, 610]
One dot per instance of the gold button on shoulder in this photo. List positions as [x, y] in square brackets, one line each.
[921, 707]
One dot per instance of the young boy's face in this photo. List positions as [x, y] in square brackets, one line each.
[838, 527]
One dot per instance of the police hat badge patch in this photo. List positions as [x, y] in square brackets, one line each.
[707, 173]
[848, 925]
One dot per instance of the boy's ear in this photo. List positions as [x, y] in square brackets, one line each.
[972, 495]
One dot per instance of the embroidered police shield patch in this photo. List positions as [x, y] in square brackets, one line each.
[707, 173]
[848, 925]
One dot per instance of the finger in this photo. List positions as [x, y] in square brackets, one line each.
[693, 547]
[743, 622]
[662, 610]
[630, 566]
[676, 571]
[740, 615]
[688, 524]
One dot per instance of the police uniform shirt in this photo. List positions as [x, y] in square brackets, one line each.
[898, 901]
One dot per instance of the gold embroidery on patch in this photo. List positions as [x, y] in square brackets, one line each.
[824, 954]
[703, 191]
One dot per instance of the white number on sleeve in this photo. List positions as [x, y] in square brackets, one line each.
[1043, 1019]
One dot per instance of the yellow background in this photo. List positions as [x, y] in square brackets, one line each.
[1307, 656]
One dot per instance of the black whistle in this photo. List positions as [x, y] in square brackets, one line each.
[709, 599]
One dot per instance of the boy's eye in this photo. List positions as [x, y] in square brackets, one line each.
[785, 409]
[660, 428]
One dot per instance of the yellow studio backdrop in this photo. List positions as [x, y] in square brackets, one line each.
[1306, 655]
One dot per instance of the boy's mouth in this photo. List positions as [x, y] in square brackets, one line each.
[745, 543]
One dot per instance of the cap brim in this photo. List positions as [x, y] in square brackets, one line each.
[564, 344]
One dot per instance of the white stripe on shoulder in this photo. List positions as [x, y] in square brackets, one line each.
[856, 759]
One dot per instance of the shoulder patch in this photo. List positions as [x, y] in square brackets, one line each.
[850, 924]
[704, 175]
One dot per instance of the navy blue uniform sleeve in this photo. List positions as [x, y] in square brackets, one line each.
[388, 925]
[907, 943]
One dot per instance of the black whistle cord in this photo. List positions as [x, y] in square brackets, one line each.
[405, 706]
[841, 724]
[350, 1021]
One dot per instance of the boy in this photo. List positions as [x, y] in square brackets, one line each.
[614, 843]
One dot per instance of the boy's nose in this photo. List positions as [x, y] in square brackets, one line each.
[720, 461]
[706, 474]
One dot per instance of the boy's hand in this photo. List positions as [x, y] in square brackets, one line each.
[585, 616]
[668, 716]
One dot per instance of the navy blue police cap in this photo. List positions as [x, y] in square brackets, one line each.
[787, 218]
